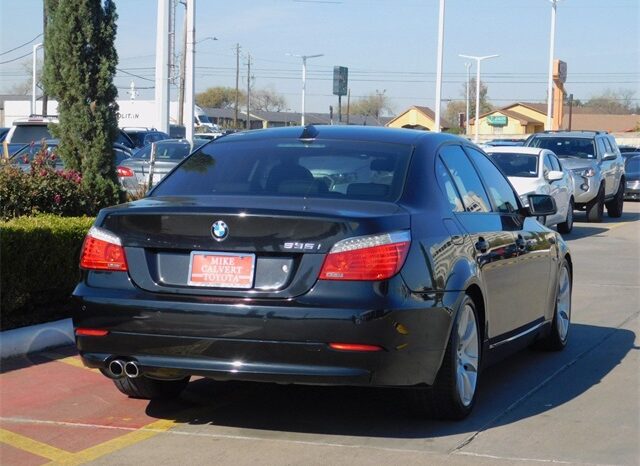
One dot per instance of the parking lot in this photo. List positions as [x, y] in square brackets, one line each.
[579, 406]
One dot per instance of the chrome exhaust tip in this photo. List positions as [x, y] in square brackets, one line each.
[131, 369]
[116, 368]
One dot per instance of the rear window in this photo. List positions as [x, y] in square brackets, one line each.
[165, 151]
[30, 133]
[583, 148]
[277, 167]
[514, 164]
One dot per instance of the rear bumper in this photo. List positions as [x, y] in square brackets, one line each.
[283, 341]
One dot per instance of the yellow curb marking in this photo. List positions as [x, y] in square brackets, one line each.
[618, 225]
[63, 457]
[74, 361]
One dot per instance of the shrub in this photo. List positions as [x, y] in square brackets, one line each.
[39, 259]
[42, 190]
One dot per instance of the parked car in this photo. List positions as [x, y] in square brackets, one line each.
[144, 136]
[247, 262]
[24, 157]
[35, 129]
[626, 148]
[627, 155]
[134, 172]
[538, 171]
[597, 166]
[632, 170]
[503, 143]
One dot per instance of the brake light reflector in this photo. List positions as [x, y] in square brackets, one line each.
[375, 257]
[102, 250]
[354, 347]
[124, 172]
[91, 332]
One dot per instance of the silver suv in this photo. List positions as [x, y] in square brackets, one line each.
[597, 166]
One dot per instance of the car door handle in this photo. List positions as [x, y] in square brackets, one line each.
[521, 244]
[482, 245]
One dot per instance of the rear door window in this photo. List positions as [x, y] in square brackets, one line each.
[502, 193]
[464, 175]
[294, 168]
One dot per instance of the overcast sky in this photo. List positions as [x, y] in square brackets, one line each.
[388, 45]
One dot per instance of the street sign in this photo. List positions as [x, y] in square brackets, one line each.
[340, 80]
[497, 120]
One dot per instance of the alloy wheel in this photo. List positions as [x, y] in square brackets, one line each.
[467, 356]
[563, 304]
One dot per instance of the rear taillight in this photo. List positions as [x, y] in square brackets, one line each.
[375, 257]
[124, 172]
[102, 250]
[91, 332]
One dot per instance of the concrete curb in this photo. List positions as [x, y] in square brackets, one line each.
[25, 340]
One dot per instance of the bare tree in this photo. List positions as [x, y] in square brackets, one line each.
[268, 100]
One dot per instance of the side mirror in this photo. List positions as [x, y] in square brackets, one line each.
[554, 175]
[540, 205]
[609, 156]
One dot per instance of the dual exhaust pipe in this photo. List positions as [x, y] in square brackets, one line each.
[118, 368]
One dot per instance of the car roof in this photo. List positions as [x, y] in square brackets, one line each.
[515, 150]
[570, 134]
[363, 133]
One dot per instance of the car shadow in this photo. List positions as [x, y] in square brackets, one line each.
[387, 413]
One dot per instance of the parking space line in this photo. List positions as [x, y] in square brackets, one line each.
[118, 443]
[33, 446]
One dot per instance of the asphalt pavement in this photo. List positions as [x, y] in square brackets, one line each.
[580, 406]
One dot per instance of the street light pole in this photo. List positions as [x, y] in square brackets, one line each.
[34, 78]
[478, 61]
[190, 70]
[552, 40]
[439, 66]
[304, 79]
[467, 65]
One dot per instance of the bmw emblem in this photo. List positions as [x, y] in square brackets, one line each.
[219, 230]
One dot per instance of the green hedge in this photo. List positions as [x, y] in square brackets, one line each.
[39, 267]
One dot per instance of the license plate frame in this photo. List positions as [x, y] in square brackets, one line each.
[212, 277]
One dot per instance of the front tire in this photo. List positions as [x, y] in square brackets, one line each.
[150, 389]
[566, 226]
[558, 336]
[615, 205]
[453, 393]
[595, 208]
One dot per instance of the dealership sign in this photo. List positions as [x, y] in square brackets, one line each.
[497, 120]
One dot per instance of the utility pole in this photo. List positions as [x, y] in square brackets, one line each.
[34, 77]
[235, 110]
[348, 103]
[45, 98]
[183, 61]
[248, 124]
[190, 70]
[439, 66]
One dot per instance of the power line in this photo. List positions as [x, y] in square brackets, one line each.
[135, 75]
[15, 59]
[20, 46]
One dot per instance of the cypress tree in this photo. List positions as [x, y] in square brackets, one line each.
[79, 66]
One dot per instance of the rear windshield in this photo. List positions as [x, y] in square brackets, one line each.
[174, 151]
[633, 166]
[514, 164]
[583, 148]
[277, 167]
[30, 133]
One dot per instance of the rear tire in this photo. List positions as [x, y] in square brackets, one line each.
[615, 205]
[453, 393]
[557, 338]
[595, 208]
[150, 389]
[566, 226]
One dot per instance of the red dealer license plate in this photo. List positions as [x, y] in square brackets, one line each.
[221, 270]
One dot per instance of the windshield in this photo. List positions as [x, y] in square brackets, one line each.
[632, 167]
[165, 151]
[514, 164]
[278, 167]
[203, 118]
[27, 134]
[583, 148]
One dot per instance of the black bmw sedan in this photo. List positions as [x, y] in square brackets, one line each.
[323, 255]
